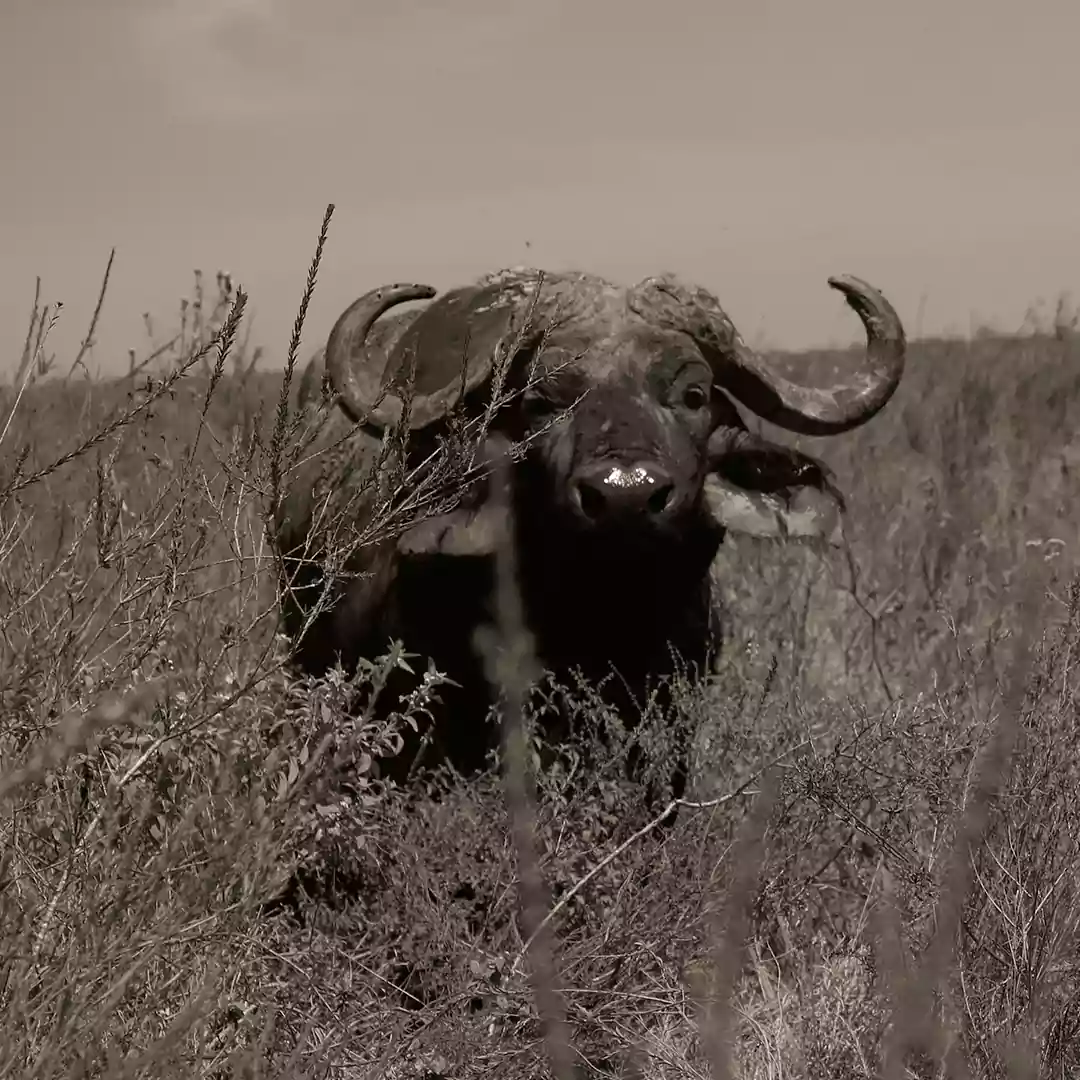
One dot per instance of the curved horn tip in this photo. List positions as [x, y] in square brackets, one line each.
[868, 301]
[849, 283]
[852, 286]
[409, 290]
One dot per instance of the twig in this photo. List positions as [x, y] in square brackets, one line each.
[88, 341]
[647, 828]
[510, 666]
[79, 728]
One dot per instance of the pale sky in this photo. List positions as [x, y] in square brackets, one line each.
[930, 146]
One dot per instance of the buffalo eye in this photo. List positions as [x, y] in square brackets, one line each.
[540, 404]
[695, 398]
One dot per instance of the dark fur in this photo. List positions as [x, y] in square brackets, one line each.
[619, 593]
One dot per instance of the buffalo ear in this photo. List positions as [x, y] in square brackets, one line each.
[807, 514]
[464, 531]
[775, 492]
[477, 526]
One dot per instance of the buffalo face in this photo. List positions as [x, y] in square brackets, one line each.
[625, 430]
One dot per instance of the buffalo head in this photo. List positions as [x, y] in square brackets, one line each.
[626, 396]
[631, 461]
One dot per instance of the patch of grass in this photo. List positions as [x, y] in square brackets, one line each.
[875, 871]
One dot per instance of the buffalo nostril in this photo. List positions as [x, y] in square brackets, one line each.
[591, 501]
[661, 498]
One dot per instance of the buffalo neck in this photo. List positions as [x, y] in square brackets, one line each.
[593, 603]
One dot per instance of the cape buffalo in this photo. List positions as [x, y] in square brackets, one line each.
[635, 461]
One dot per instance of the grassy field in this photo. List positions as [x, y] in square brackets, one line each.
[878, 876]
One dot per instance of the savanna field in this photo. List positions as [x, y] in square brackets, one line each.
[876, 874]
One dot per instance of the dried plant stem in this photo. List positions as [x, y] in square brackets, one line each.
[644, 831]
[511, 665]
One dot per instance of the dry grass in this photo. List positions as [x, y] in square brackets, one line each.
[875, 876]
